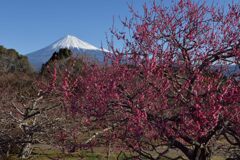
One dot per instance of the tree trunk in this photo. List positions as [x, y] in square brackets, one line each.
[201, 153]
[109, 150]
[26, 151]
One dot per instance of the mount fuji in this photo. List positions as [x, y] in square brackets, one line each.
[76, 45]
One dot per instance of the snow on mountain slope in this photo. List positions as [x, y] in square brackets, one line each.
[73, 42]
[76, 45]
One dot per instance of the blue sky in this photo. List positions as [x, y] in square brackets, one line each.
[29, 25]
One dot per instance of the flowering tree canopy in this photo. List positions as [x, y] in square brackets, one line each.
[169, 88]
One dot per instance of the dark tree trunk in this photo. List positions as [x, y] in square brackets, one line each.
[201, 153]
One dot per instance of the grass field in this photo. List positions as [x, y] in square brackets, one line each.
[44, 152]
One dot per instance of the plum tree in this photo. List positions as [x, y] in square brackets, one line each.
[167, 89]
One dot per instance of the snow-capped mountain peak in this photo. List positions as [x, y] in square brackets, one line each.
[73, 43]
[70, 41]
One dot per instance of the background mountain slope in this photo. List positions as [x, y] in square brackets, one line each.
[11, 61]
[77, 46]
